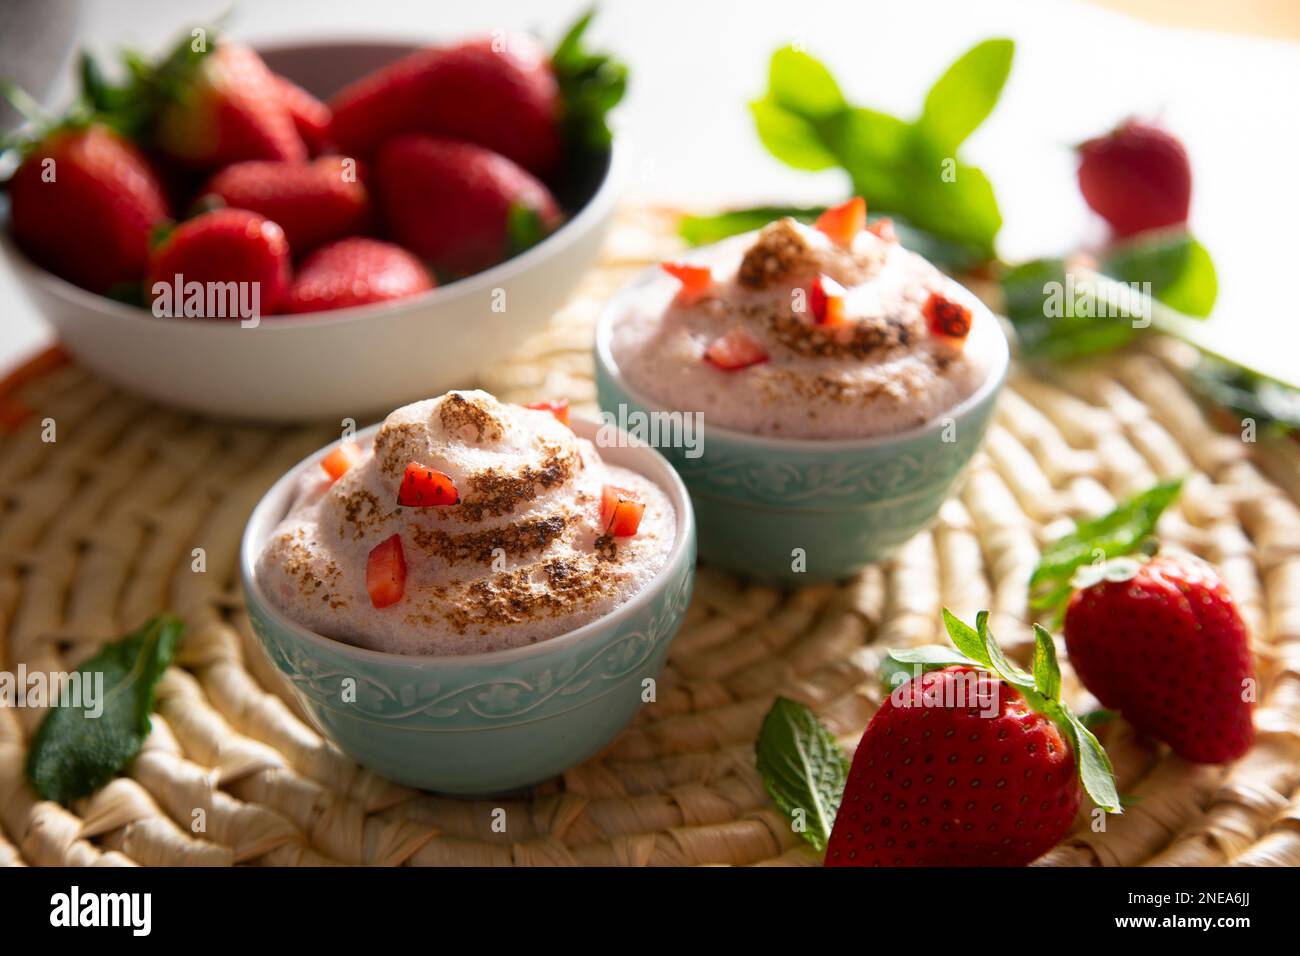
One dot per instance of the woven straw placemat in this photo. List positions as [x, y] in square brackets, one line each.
[98, 531]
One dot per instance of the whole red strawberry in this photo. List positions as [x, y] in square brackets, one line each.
[957, 768]
[1167, 648]
[1136, 178]
[83, 204]
[232, 253]
[223, 107]
[314, 203]
[452, 203]
[354, 272]
[498, 93]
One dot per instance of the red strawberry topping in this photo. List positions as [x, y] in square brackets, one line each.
[735, 350]
[694, 279]
[559, 407]
[620, 511]
[338, 461]
[386, 572]
[826, 299]
[948, 320]
[883, 229]
[842, 223]
[422, 487]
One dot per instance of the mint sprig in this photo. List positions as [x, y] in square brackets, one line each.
[909, 170]
[591, 84]
[1124, 531]
[75, 752]
[803, 768]
[976, 647]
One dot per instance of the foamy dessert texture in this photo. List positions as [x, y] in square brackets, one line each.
[530, 499]
[878, 372]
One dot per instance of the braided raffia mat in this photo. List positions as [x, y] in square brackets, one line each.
[97, 532]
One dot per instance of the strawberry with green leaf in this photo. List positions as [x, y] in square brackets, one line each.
[1156, 637]
[207, 103]
[971, 762]
[975, 762]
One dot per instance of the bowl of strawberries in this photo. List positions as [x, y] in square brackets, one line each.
[315, 230]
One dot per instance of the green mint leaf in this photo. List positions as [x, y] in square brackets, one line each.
[1177, 266]
[802, 767]
[903, 169]
[965, 638]
[524, 228]
[789, 137]
[801, 84]
[591, 84]
[997, 660]
[963, 97]
[1123, 531]
[1047, 672]
[1273, 407]
[1052, 323]
[74, 751]
[1095, 770]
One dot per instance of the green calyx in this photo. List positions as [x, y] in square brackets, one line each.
[591, 84]
[1040, 686]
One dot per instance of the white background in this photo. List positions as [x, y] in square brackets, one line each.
[695, 64]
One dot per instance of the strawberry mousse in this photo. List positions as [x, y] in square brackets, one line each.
[468, 525]
[832, 331]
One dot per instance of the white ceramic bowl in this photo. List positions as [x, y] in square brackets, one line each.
[349, 363]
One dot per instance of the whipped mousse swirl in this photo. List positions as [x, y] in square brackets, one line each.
[792, 333]
[523, 554]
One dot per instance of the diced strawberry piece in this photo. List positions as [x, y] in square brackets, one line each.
[842, 223]
[422, 487]
[559, 407]
[620, 511]
[884, 229]
[337, 462]
[736, 350]
[694, 279]
[948, 319]
[386, 572]
[826, 299]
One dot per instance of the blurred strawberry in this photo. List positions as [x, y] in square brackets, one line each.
[314, 203]
[225, 246]
[1136, 177]
[311, 117]
[83, 204]
[499, 93]
[226, 107]
[356, 272]
[459, 206]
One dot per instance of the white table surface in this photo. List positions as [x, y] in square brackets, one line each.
[695, 64]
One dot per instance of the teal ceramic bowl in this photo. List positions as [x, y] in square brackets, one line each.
[481, 723]
[802, 511]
